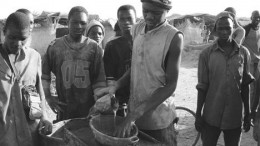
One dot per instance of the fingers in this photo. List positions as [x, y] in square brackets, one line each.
[45, 127]
[199, 122]
[62, 103]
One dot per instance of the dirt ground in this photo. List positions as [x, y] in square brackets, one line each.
[186, 95]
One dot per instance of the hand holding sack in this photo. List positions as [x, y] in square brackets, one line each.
[31, 102]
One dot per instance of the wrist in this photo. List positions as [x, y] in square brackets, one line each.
[133, 116]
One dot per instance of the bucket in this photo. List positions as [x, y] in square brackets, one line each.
[56, 138]
[72, 132]
[103, 127]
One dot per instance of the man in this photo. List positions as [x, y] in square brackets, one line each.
[76, 61]
[223, 87]
[117, 56]
[20, 66]
[154, 73]
[96, 31]
[239, 31]
[255, 115]
[30, 15]
[252, 43]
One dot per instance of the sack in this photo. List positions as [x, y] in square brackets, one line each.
[31, 102]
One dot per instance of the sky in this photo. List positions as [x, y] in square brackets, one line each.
[108, 8]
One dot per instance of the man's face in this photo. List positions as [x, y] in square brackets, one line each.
[31, 21]
[15, 38]
[77, 24]
[255, 19]
[224, 28]
[153, 15]
[126, 19]
[96, 34]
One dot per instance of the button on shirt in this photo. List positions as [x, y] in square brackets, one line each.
[221, 77]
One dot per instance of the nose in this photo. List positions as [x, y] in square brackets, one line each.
[149, 15]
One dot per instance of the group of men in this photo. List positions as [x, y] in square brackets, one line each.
[140, 67]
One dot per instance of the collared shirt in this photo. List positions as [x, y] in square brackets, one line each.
[24, 70]
[221, 78]
[117, 60]
[148, 73]
[79, 70]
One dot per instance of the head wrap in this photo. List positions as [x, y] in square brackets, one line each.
[17, 19]
[165, 4]
[223, 14]
[93, 23]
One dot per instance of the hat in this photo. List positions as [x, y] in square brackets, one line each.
[93, 23]
[223, 14]
[165, 4]
[231, 10]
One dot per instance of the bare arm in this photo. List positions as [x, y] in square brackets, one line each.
[172, 72]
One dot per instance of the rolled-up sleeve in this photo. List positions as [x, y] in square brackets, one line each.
[203, 73]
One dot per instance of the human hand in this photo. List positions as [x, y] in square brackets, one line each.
[45, 126]
[55, 104]
[199, 123]
[123, 129]
[252, 115]
[247, 123]
[256, 129]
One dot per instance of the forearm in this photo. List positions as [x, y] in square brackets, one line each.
[245, 98]
[46, 88]
[200, 102]
[124, 80]
[257, 96]
[158, 97]
[43, 101]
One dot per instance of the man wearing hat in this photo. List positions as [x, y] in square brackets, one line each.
[223, 87]
[252, 43]
[239, 31]
[154, 73]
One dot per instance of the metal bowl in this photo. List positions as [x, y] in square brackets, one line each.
[103, 127]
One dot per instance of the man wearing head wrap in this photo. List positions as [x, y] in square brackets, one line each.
[223, 87]
[252, 42]
[30, 15]
[96, 31]
[154, 73]
[239, 31]
[77, 63]
[20, 66]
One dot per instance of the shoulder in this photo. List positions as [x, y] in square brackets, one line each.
[208, 49]
[240, 29]
[57, 41]
[32, 51]
[138, 27]
[93, 45]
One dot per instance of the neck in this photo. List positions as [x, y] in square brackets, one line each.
[126, 34]
[255, 27]
[148, 28]
[74, 39]
[225, 43]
